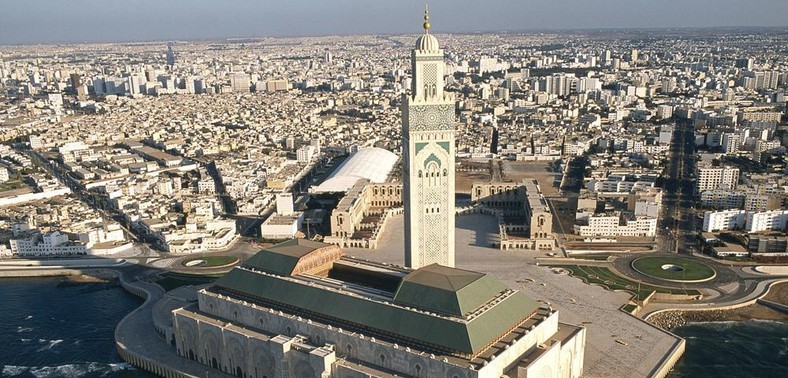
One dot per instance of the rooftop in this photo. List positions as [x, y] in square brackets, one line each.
[373, 164]
[455, 311]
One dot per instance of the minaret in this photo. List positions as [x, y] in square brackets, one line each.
[428, 158]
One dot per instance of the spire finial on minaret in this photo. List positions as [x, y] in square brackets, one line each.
[427, 18]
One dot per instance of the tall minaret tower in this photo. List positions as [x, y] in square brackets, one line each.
[428, 158]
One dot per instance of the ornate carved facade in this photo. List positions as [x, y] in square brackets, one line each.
[428, 134]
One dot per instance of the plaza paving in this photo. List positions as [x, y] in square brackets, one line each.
[578, 303]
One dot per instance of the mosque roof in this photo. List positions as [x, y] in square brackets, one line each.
[437, 307]
[447, 290]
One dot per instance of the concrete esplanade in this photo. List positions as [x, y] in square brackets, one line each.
[138, 343]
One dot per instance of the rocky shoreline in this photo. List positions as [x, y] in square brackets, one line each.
[668, 320]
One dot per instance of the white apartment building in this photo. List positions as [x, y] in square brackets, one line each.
[284, 204]
[722, 199]
[711, 178]
[724, 220]
[52, 244]
[617, 225]
[730, 143]
[775, 220]
[206, 186]
[305, 154]
[618, 185]
[282, 226]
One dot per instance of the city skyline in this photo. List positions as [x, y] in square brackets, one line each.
[46, 21]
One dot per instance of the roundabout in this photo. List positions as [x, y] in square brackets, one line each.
[674, 269]
[210, 262]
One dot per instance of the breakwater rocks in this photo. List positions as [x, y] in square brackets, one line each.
[668, 320]
[671, 319]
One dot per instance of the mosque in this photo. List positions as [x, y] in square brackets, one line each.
[305, 309]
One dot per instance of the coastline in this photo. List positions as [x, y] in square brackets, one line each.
[777, 293]
[669, 320]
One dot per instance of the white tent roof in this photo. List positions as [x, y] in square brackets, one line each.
[373, 164]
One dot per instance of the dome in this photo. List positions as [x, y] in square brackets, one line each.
[427, 43]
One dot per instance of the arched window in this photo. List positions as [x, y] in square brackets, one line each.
[418, 370]
[382, 360]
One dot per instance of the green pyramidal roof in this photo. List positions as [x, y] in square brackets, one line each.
[282, 258]
[447, 290]
[451, 293]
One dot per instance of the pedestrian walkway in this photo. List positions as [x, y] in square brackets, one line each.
[139, 344]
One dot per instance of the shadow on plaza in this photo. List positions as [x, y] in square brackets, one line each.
[484, 229]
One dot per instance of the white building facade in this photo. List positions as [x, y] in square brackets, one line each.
[724, 220]
[717, 178]
[618, 225]
[52, 244]
[775, 220]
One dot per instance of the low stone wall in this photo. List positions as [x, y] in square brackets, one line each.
[670, 360]
[149, 366]
[674, 297]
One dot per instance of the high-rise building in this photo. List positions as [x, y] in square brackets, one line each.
[78, 86]
[240, 82]
[170, 55]
[730, 143]
[710, 178]
[745, 63]
[428, 134]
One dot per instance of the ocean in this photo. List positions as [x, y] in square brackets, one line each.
[52, 327]
[752, 348]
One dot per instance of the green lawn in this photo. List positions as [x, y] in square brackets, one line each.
[629, 308]
[688, 270]
[172, 280]
[611, 281]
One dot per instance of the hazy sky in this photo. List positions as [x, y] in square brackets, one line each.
[39, 21]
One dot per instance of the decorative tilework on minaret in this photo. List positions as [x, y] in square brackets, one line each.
[428, 158]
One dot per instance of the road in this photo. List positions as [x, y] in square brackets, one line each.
[677, 222]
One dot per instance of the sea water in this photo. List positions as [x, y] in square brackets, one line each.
[752, 348]
[52, 327]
